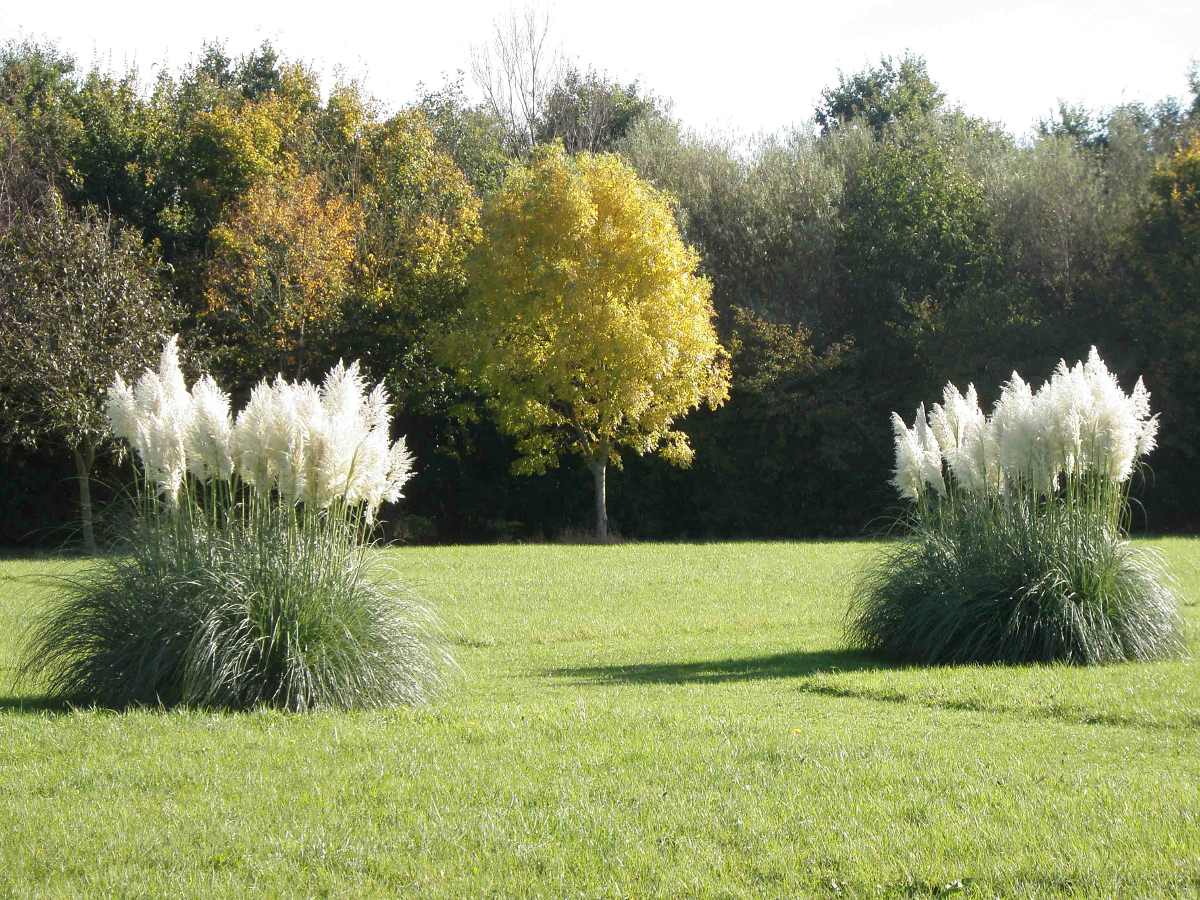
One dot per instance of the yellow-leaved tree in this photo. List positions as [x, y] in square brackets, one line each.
[586, 324]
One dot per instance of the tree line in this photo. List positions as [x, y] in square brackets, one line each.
[856, 263]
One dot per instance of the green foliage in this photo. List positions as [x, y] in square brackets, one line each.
[878, 96]
[786, 393]
[588, 112]
[36, 90]
[914, 235]
[79, 301]
[473, 138]
[1160, 125]
[234, 608]
[21, 186]
[1062, 215]
[933, 245]
[765, 228]
[922, 242]
[1075, 122]
[1162, 314]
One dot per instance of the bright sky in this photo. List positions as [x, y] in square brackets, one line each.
[747, 65]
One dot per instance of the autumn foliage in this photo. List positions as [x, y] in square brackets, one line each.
[559, 285]
[587, 325]
[281, 266]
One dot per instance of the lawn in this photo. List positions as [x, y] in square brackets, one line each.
[631, 720]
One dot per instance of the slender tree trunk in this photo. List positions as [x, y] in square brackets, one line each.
[598, 467]
[85, 455]
[301, 347]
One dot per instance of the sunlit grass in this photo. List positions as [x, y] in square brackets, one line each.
[631, 720]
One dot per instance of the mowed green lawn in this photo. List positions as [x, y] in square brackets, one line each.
[629, 721]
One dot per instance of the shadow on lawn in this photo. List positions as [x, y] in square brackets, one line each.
[35, 705]
[749, 668]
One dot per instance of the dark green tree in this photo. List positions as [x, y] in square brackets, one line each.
[588, 112]
[914, 239]
[894, 90]
[471, 135]
[80, 300]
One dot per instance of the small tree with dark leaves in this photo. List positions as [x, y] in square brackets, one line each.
[80, 299]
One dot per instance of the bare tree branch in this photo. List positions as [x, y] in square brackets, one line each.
[515, 72]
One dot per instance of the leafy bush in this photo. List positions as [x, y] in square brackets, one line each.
[246, 579]
[1018, 547]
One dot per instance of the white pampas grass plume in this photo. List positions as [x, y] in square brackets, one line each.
[918, 458]
[1078, 424]
[906, 476]
[155, 416]
[313, 445]
[207, 443]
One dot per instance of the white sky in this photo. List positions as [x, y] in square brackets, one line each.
[747, 65]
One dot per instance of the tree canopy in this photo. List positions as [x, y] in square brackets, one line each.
[586, 324]
[893, 90]
[80, 301]
[851, 265]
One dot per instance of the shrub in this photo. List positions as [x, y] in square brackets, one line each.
[1017, 548]
[247, 578]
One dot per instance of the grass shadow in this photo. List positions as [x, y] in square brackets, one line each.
[748, 668]
[35, 705]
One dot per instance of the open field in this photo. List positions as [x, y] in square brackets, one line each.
[630, 720]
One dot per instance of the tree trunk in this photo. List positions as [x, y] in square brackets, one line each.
[85, 455]
[598, 467]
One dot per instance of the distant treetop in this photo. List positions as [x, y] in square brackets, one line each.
[880, 95]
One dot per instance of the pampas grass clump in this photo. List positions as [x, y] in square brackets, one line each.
[1017, 547]
[247, 578]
